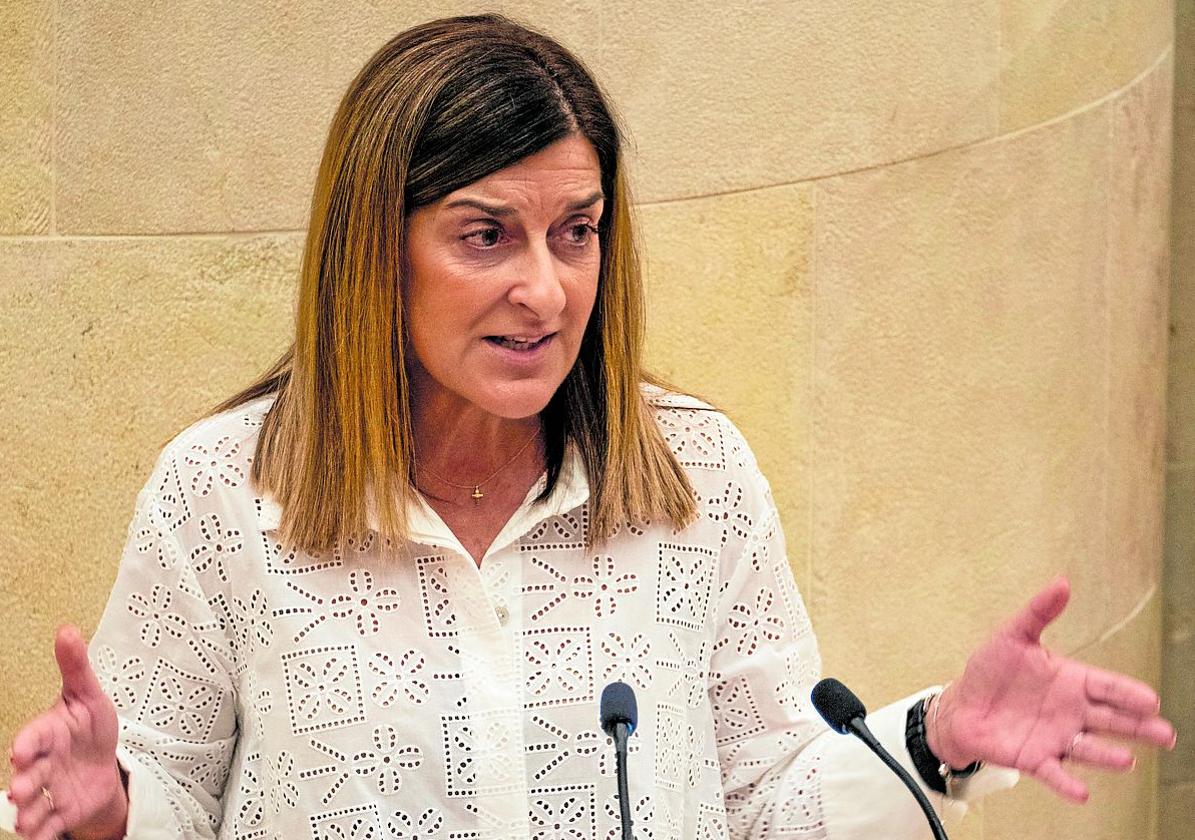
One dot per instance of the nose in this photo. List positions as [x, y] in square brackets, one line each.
[539, 287]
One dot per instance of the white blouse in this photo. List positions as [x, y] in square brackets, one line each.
[401, 691]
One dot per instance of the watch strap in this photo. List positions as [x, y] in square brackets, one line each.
[918, 746]
[937, 775]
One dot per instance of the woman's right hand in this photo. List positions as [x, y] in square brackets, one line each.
[65, 774]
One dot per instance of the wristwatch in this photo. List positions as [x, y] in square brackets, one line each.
[937, 775]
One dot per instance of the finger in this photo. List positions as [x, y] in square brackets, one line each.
[1051, 774]
[52, 829]
[35, 740]
[30, 817]
[1120, 692]
[26, 786]
[1098, 752]
[1149, 730]
[1043, 608]
[78, 680]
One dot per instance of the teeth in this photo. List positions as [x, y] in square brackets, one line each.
[518, 343]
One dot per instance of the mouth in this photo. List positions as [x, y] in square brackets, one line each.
[519, 342]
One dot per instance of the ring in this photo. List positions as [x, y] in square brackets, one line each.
[1070, 748]
[45, 792]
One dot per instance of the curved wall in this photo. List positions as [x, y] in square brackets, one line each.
[1177, 770]
[918, 251]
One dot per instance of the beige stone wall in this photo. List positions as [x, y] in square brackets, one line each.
[918, 250]
[1177, 779]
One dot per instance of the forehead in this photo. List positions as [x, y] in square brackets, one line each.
[565, 171]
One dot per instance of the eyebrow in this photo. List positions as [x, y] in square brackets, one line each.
[502, 210]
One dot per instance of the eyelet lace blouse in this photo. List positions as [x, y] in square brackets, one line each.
[385, 691]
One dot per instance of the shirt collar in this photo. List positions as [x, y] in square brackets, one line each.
[426, 526]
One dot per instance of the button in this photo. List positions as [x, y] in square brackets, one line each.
[503, 614]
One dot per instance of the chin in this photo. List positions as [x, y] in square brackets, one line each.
[517, 400]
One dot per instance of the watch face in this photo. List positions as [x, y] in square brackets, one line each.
[970, 770]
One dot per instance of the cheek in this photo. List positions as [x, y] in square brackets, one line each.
[437, 327]
[445, 296]
[431, 320]
[582, 299]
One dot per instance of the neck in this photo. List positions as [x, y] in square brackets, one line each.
[461, 446]
[467, 453]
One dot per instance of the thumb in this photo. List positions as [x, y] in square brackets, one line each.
[1042, 609]
[78, 680]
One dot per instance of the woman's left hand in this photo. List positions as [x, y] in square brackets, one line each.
[1020, 705]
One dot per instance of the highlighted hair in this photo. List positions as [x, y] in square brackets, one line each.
[438, 107]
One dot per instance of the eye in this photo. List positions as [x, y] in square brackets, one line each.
[585, 231]
[483, 236]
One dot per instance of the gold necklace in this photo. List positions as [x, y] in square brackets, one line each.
[477, 495]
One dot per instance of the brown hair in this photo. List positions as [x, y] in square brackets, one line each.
[438, 107]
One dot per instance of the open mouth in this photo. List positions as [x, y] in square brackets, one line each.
[518, 342]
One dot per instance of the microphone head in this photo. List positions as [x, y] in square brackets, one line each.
[618, 706]
[837, 704]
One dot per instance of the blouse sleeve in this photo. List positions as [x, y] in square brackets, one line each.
[785, 774]
[162, 655]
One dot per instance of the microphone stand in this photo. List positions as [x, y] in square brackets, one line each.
[618, 715]
[860, 730]
[620, 769]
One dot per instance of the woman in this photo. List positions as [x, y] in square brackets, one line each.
[377, 593]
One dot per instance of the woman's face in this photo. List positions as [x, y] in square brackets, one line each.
[503, 275]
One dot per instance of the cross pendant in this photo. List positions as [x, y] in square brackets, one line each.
[477, 494]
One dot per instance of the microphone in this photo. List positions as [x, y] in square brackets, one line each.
[619, 716]
[844, 712]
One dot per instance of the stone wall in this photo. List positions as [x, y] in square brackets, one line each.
[918, 250]
[1177, 781]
